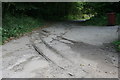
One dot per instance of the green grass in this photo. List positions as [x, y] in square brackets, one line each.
[117, 45]
[13, 27]
[100, 21]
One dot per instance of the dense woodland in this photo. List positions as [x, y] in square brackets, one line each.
[57, 10]
[22, 17]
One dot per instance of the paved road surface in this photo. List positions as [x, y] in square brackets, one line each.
[63, 50]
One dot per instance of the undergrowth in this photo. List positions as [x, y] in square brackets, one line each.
[117, 45]
[100, 21]
[13, 27]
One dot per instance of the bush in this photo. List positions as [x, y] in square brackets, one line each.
[117, 45]
[101, 20]
[16, 26]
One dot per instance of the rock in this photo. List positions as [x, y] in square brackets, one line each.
[105, 72]
[70, 74]
[89, 65]
[81, 64]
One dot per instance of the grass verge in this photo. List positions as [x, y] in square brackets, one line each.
[13, 27]
[117, 45]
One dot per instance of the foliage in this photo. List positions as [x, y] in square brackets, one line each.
[101, 20]
[117, 45]
[58, 10]
[101, 8]
[118, 19]
[51, 10]
[16, 26]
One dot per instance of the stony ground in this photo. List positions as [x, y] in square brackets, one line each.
[63, 50]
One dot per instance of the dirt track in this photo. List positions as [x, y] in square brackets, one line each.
[63, 50]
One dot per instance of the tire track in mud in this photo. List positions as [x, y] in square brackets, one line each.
[60, 58]
[53, 49]
[43, 55]
[50, 47]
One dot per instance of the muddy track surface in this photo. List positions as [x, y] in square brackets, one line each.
[63, 50]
